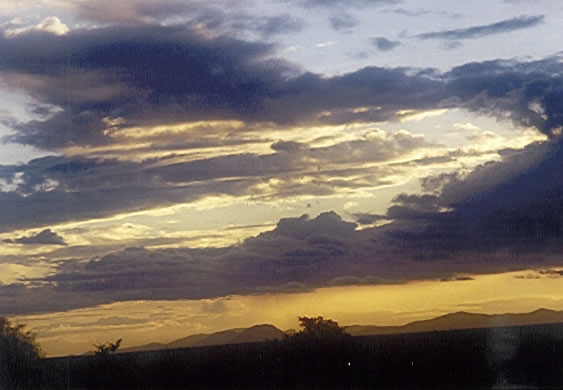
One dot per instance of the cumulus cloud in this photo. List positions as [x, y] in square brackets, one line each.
[45, 237]
[513, 204]
[300, 253]
[52, 25]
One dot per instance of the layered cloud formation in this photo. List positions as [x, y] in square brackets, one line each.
[138, 115]
[99, 81]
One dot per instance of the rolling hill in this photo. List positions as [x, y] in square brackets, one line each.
[253, 334]
[462, 320]
[459, 320]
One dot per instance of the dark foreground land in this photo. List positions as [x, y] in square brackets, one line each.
[527, 356]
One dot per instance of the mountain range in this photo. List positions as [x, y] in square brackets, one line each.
[256, 333]
[458, 320]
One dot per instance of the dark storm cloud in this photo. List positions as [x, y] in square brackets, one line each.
[140, 73]
[530, 94]
[515, 204]
[121, 73]
[384, 44]
[300, 253]
[501, 27]
[299, 250]
[135, 73]
[174, 74]
[45, 237]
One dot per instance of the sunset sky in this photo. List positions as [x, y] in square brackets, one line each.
[182, 166]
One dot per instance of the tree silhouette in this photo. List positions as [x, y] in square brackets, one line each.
[19, 355]
[107, 348]
[318, 327]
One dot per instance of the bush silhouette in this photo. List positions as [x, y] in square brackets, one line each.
[107, 348]
[320, 328]
[19, 356]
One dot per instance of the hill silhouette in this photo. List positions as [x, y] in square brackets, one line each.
[254, 334]
[527, 356]
[453, 321]
[462, 320]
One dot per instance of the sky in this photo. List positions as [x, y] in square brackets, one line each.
[185, 166]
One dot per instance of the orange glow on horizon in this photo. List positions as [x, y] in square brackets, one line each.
[141, 322]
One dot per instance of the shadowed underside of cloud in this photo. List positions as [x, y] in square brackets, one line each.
[304, 252]
[109, 79]
[505, 215]
[501, 27]
[45, 237]
[515, 204]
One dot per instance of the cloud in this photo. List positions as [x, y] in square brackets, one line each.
[346, 3]
[275, 25]
[287, 146]
[111, 74]
[115, 81]
[406, 12]
[51, 25]
[146, 11]
[367, 218]
[521, 92]
[104, 81]
[300, 253]
[513, 204]
[53, 189]
[297, 251]
[474, 32]
[384, 44]
[45, 237]
[343, 21]
[457, 279]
